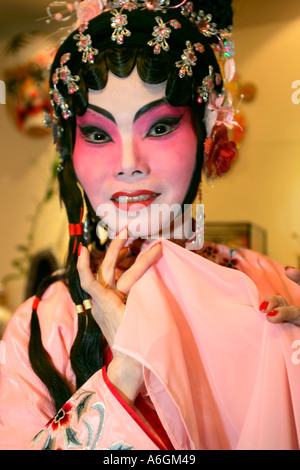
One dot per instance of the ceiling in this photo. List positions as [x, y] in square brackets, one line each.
[23, 15]
[20, 15]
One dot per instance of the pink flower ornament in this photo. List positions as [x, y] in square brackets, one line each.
[217, 113]
[87, 10]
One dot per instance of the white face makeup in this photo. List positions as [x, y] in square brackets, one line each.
[134, 153]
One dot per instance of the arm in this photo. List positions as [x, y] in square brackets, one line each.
[103, 411]
[108, 308]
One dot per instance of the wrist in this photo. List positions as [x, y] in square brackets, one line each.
[126, 375]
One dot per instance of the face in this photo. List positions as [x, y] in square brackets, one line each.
[134, 155]
[28, 94]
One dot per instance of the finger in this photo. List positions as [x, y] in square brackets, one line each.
[290, 314]
[293, 274]
[136, 271]
[114, 255]
[87, 279]
[271, 302]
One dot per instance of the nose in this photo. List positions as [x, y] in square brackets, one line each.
[132, 164]
[30, 90]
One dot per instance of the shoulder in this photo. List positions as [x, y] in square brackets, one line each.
[237, 257]
[267, 273]
[56, 304]
[57, 320]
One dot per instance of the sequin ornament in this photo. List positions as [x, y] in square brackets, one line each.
[119, 23]
[208, 85]
[161, 33]
[189, 58]
[84, 45]
[63, 73]
[200, 19]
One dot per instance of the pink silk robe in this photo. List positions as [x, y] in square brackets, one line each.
[218, 374]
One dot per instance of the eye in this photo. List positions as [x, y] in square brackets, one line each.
[164, 127]
[12, 86]
[94, 135]
[37, 73]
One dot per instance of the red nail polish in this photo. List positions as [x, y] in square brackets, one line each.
[289, 267]
[263, 306]
[272, 314]
[79, 249]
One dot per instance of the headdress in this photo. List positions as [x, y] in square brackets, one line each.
[160, 28]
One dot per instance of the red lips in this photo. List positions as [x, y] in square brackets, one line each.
[123, 199]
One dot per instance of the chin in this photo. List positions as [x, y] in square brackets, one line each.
[152, 222]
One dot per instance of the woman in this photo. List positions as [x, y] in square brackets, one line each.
[184, 361]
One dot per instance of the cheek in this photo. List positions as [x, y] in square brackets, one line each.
[178, 158]
[82, 169]
[91, 166]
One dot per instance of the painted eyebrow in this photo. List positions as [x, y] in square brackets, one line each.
[102, 111]
[147, 107]
[139, 113]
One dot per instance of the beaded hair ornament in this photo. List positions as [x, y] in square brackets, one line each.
[219, 110]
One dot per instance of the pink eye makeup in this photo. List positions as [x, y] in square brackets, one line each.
[97, 125]
[164, 127]
[94, 135]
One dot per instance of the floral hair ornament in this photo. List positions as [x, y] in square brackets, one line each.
[189, 58]
[84, 44]
[119, 22]
[161, 33]
[63, 73]
[219, 110]
[219, 151]
[208, 85]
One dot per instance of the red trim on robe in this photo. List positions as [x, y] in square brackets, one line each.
[130, 411]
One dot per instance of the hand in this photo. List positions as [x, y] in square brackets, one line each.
[108, 307]
[277, 309]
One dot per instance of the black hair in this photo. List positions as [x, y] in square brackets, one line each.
[87, 354]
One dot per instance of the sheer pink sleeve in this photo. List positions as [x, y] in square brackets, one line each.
[219, 374]
[96, 418]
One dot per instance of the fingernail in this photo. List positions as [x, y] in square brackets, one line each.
[79, 249]
[289, 267]
[272, 314]
[264, 305]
